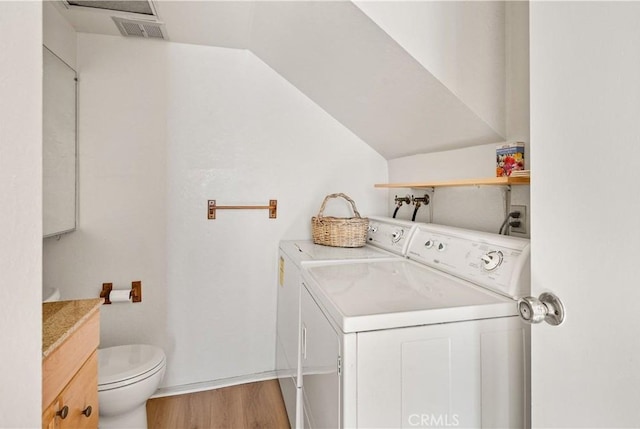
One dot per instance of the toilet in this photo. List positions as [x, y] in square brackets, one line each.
[127, 377]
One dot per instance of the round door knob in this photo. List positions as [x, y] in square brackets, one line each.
[63, 412]
[87, 411]
[547, 307]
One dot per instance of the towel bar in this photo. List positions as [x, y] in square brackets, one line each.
[212, 207]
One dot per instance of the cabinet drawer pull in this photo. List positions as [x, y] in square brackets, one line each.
[63, 413]
[87, 411]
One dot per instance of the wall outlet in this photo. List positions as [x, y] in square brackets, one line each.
[522, 229]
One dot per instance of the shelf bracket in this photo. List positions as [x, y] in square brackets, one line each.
[212, 207]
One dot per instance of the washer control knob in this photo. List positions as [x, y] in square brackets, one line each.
[441, 246]
[428, 244]
[492, 260]
[547, 307]
[372, 228]
[397, 235]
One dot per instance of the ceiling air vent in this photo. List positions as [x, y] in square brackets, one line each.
[135, 28]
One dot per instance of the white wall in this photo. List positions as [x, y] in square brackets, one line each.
[163, 128]
[481, 208]
[121, 227]
[266, 140]
[21, 214]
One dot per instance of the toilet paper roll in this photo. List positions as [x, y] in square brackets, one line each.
[120, 296]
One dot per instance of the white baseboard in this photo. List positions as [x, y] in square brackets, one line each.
[213, 384]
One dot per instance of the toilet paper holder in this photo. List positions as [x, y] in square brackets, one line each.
[135, 294]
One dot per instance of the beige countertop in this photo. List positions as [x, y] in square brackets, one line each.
[61, 318]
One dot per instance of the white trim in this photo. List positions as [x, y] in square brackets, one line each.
[213, 384]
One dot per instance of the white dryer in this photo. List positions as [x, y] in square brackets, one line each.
[430, 341]
[387, 239]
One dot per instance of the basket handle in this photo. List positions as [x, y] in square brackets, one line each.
[324, 203]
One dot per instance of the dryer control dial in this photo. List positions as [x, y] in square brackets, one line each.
[492, 260]
[428, 244]
[397, 235]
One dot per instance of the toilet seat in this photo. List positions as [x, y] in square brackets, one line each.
[121, 366]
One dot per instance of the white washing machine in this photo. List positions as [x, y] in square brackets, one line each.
[430, 341]
[387, 239]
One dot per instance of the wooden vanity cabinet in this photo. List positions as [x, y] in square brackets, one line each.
[70, 379]
[80, 397]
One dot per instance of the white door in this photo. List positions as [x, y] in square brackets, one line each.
[585, 145]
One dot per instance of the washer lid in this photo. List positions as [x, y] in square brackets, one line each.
[391, 294]
[120, 363]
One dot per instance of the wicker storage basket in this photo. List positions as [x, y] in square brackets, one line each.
[339, 232]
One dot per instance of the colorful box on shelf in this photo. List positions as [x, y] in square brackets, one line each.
[509, 158]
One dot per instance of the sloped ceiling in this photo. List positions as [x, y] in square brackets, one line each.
[340, 58]
[462, 43]
[343, 61]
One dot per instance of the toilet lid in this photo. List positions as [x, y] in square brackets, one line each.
[121, 363]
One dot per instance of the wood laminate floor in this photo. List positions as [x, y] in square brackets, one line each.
[252, 405]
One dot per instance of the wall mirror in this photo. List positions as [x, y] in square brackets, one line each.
[59, 150]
